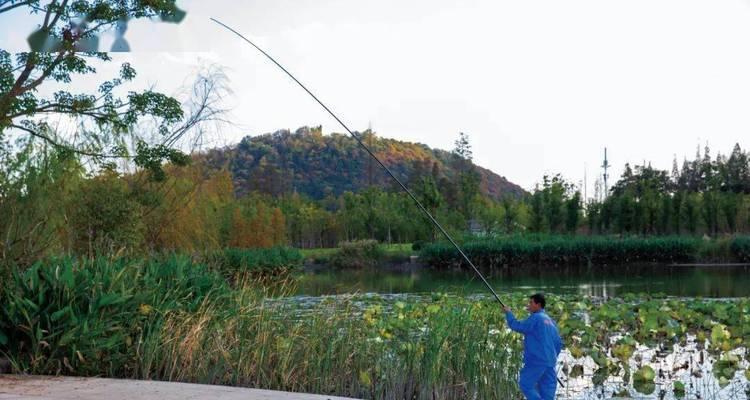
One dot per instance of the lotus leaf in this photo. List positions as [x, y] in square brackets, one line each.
[623, 352]
[644, 387]
[679, 389]
[645, 374]
[719, 333]
[723, 382]
[600, 376]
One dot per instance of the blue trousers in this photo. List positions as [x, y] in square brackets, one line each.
[538, 382]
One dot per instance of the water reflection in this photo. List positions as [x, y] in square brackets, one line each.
[674, 281]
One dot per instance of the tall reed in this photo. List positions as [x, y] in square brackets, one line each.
[177, 320]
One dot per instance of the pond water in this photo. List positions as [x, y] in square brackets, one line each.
[673, 362]
[710, 282]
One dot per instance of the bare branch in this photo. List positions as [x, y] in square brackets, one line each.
[12, 6]
[64, 146]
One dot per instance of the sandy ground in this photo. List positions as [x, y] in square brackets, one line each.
[61, 388]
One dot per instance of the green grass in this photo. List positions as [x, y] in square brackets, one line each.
[255, 262]
[313, 254]
[177, 320]
[396, 252]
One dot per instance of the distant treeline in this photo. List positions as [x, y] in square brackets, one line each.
[705, 196]
[51, 204]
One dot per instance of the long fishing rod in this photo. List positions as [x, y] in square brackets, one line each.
[367, 149]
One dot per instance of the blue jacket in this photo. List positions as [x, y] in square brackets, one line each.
[541, 339]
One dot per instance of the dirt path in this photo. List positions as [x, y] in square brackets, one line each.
[60, 388]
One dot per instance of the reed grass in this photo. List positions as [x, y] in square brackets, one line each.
[576, 251]
[177, 320]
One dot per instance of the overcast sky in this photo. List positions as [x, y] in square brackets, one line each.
[540, 86]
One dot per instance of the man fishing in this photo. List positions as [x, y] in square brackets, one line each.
[541, 346]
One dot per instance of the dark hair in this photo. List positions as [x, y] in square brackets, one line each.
[538, 299]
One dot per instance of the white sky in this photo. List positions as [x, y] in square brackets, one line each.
[540, 86]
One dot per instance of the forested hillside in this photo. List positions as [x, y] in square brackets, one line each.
[317, 165]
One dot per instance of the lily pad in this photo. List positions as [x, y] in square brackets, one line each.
[644, 387]
[623, 352]
[679, 389]
[645, 374]
[723, 382]
[577, 371]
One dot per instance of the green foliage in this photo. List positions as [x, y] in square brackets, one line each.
[317, 165]
[105, 218]
[178, 321]
[740, 248]
[37, 189]
[706, 196]
[561, 250]
[358, 254]
[273, 261]
[89, 318]
[62, 48]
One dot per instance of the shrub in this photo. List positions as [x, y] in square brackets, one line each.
[418, 245]
[740, 248]
[357, 254]
[561, 250]
[273, 261]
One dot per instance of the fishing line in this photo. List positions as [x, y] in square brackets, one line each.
[367, 149]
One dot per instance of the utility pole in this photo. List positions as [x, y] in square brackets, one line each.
[606, 166]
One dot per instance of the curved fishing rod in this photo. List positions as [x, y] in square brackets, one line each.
[367, 149]
[419, 204]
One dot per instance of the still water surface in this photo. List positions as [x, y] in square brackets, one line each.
[673, 281]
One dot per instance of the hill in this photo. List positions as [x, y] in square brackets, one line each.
[317, 165]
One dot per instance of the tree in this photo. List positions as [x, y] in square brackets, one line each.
[62, 49]
[106, 218]
[573, 212]
[468, 178]
[730, 207]
[38, 185]
[692, 204]
[554, 192]
[677, 203]
[537, 212]
[510, 215]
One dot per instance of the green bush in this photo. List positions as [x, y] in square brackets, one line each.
[418, 245]
[358, 254]
[740, 248]
[563, 250]
[273, 261]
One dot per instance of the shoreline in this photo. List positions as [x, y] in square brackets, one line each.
[70, 388]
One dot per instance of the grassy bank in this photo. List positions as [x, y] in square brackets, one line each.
[359, 253]
[254, 262]
[178, 320]
[519, 251]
